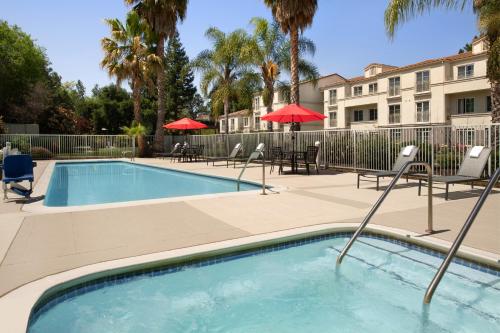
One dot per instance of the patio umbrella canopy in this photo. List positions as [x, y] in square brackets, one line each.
[293, 113]
[185, 124]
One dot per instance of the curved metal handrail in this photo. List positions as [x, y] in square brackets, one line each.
[259, 152]
[382, 198]
[458, 241]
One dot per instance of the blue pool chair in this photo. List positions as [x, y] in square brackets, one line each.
[17, 168]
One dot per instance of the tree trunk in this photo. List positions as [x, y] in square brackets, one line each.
[226, 115]
[495, 102]
[269, 106]
[136, 93]
[294, 69]
[160, 81]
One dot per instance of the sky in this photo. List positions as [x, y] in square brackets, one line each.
[348, 34]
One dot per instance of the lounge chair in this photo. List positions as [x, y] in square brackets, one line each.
[174, 150]
[233, 156]
[470, 170]
[17, 168]
[406, 155]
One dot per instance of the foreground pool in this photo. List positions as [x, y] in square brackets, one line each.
[88, 183]
[378, 288]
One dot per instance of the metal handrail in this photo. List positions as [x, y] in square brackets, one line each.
[259, 152]
[382, 198]
[458, 241]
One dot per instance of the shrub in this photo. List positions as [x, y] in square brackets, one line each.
[41, 153]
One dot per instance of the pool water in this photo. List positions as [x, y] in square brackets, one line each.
[378, 288]
[87, 183]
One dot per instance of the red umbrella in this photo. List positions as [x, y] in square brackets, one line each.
[185, 124]
[293, 113]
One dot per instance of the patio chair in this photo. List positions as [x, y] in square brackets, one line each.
[276, 157]
[311, 157]
[470, 170]
[17, 168]
[180, 153]
[174, 150]
[406, 155]
[194, 153]
[233, 156]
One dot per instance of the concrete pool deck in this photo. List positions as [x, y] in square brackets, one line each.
[37, 245]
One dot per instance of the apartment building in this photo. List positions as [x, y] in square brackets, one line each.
[449, 90]
[311, 97]
[239, 122]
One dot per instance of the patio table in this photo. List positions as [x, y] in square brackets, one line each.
[293, 156]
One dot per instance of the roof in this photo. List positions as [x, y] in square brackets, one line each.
[384, 66]
[240, 113]
[452, 58]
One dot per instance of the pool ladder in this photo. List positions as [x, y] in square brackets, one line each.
[458, 241]
[259, 152]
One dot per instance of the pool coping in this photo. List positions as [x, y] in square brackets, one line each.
[18, 304]
[44, 181]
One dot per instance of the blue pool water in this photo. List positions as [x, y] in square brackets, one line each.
[88, 183]
[378, 288]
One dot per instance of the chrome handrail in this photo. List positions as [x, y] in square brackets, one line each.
[458, 241]
[259, 152]
[382, 198]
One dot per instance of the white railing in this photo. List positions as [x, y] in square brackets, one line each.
[443, 147]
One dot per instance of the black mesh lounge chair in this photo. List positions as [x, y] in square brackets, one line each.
[176, 148]
[470, 170]
[233, 156]
[276, 157]
[406, 155]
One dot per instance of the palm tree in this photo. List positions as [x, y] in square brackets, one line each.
[488, 14]
[129, 56]
[225, 67]
[135, 130]
[271, 52]
[291, 16]
[162, 16]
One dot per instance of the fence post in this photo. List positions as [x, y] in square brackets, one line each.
[432, 150]
[355, 157]
[325, 159]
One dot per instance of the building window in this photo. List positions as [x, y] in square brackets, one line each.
[332, 97]
[423, 81]
[394, 114]
[465, 105]
[231, 124]
[394, 86]
[332, 118]
[373, 114]
[372, 88]
[223, 125]
[357, 90]
[488, 104]
[256, 103]
[257, 123]
[246, 121]
[358, 115]
[423, 112]
[465, 71]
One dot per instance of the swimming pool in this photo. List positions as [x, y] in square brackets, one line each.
[291, 287]
[87, 183]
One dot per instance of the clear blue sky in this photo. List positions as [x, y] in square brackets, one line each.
[348, 34]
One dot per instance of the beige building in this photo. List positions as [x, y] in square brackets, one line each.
[449, 90]
[311, 97]
[239, 122]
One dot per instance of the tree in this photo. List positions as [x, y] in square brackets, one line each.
[129, 56]
[162, 17]
[178, 78]
[196, 107]
[271, 52]
[224, 66]
[23, 68]
[488, 14]
[291, 16]
[467, 48]
[110, 107]
[135, 131]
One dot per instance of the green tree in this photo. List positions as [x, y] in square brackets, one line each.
[224, 67]
[23, 68]
[129, 56]
[196, 107]
[178, 78]
[162, 16]
[292, 16]
[272, 56]
[488, 15]
[111, 108]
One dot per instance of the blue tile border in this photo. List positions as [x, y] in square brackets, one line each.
[51, 300]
